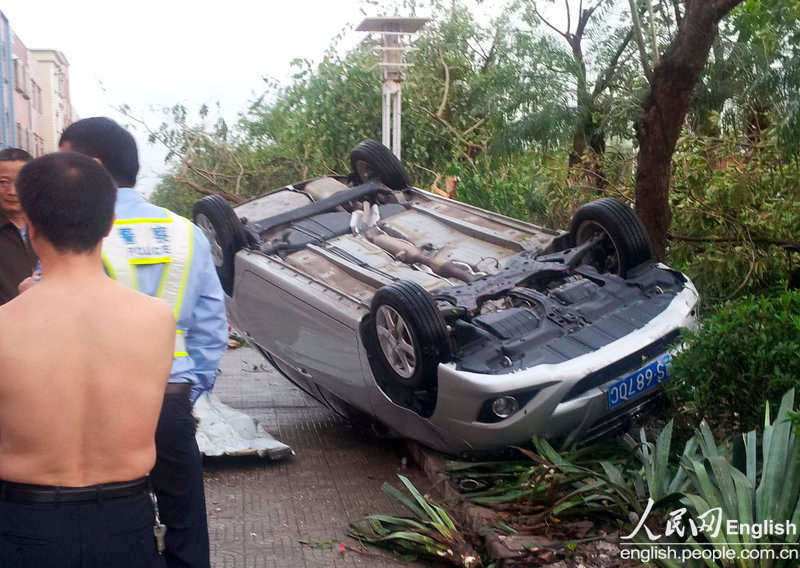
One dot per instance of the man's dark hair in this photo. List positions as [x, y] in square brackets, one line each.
[100, 137]
[69, 198]
[15, 155]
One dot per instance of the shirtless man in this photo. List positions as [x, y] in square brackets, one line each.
[83, 366]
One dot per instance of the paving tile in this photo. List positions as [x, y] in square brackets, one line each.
[259, 511]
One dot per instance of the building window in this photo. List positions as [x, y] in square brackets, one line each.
[36, 95]
[21, 79]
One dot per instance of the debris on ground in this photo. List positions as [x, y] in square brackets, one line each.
[222, 430]
[235, 340]
[431, 534]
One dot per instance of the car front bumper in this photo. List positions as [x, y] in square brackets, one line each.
[554, 410]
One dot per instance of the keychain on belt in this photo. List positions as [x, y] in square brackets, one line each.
[159, 529]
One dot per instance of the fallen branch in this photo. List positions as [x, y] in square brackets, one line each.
[204, 191]
[793, 247]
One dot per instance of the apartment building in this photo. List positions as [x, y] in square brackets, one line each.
[35, 104]
[52, 69]
[7, 134]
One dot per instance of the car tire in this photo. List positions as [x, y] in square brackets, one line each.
[627, 244]
[372, 160]
[409, 335]
[225, 235]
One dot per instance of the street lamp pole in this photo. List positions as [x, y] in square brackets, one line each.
[394, 34]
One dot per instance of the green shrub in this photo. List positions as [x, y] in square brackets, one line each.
[744, 355]
[511, 187]
[736, 212]
[175, 196]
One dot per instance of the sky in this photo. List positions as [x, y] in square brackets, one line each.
[152, 54]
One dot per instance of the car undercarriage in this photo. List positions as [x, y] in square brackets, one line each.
[435, 300]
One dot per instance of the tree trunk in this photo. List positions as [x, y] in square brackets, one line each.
[587, 155]
[664, 112]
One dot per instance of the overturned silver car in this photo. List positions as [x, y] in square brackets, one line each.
[454, 326]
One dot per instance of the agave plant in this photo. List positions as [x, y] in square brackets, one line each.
[728, 479]
[750, 481]
[431, 534]
[549, 481]
[748, 490]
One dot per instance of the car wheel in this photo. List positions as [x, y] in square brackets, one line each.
[372, 160]
[624, 243]
[224, 232]
[410, 335]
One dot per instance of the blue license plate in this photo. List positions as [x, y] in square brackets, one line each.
[640, 381]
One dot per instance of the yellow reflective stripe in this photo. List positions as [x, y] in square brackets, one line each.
[113, 274]
[180, 344]
[135, 277]
[134, 221]
[109, 267]
[162, 260]
[187, 268]
[163, 281]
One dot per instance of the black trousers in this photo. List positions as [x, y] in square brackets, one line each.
[116, 533]
[178, 482]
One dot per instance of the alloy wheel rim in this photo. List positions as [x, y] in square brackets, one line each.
[396, 341]
[211, 234]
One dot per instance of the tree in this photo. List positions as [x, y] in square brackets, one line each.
[748, 83]
[577, 97]
[664, 111]
[311, 124]
[205, 154]
[588, 137]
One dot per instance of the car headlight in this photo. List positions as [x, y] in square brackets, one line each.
[505, 406]
[494, 410]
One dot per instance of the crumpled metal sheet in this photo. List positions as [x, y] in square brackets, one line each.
[222, 430]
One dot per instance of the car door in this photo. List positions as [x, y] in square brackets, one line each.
[294, 319]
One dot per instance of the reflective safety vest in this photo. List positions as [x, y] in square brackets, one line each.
[169, 242]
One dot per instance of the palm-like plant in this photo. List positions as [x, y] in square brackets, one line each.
[431, 534]
[749, 481]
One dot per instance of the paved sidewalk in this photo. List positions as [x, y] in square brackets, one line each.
[259, 510]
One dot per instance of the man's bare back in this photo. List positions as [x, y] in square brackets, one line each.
[83, 366]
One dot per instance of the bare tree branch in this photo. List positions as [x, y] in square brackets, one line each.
[565, 35]
[725, 6]
[475, 126]
[569, 21]
[187, 164]
[240, 174]
[205, 191]
[585, 16]
[605, 77]
[446, 89]
[793, 247]
[490, 57]
[185, 160]
[678, 17]
[653, 35]
[637, 27]
[458, 136]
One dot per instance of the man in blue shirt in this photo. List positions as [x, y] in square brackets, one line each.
[161, 254]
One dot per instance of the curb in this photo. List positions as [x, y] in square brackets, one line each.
[506, 551]
[476, 520]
